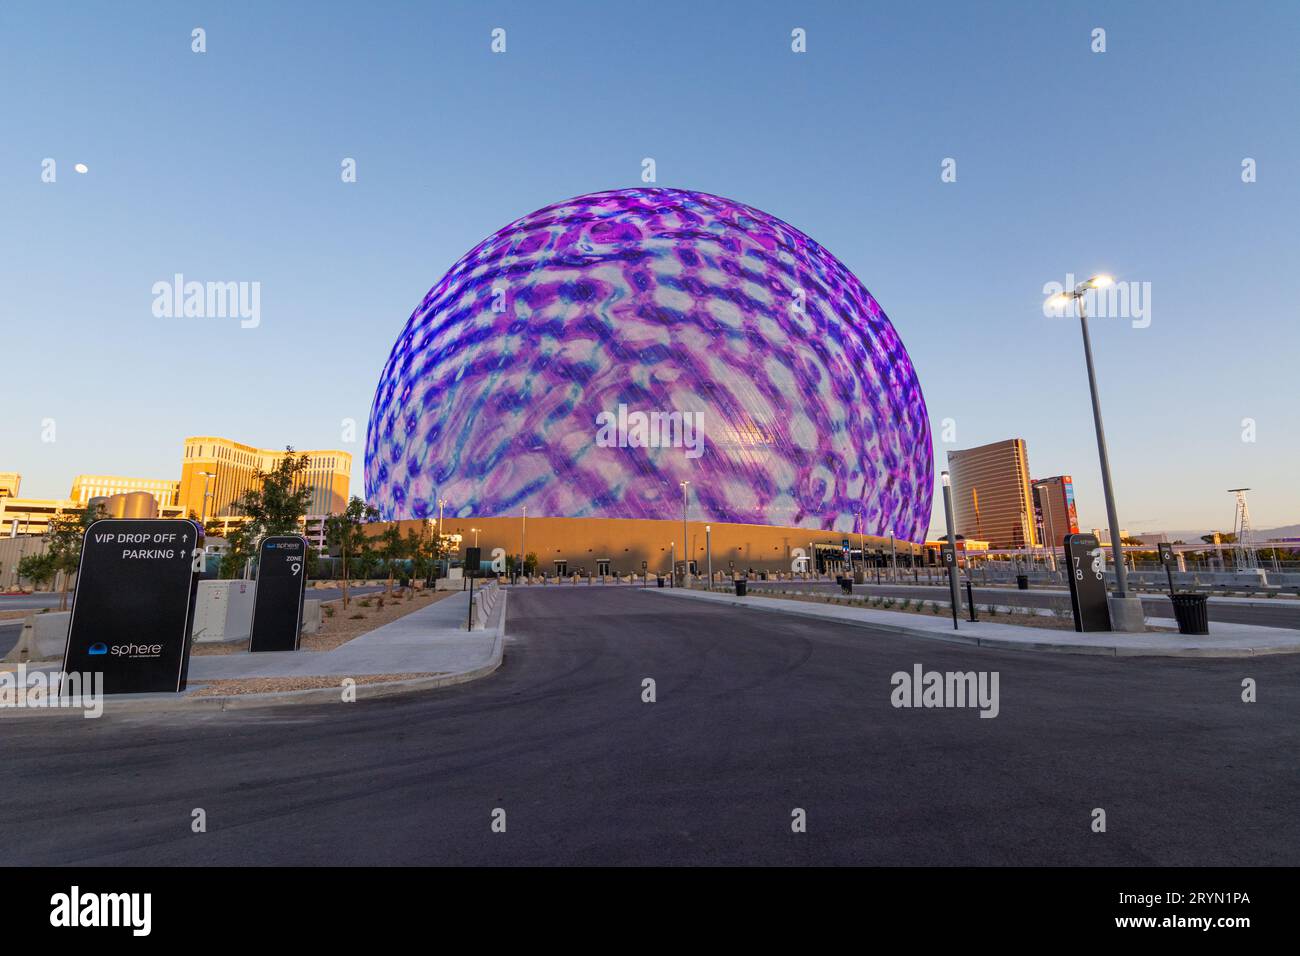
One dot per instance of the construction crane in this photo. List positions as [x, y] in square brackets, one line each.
[1243, 547]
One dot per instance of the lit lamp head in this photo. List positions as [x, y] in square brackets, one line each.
[1099, 281]
[943, 477]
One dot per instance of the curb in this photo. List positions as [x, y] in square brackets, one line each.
[1279, 601]
[1003, 644]
[284, 698]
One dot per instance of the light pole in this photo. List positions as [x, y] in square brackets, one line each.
[672, 564]
[1129, 608]
[686, 544]
[204, 507]
[476, 531]
[954, 593]
[523, 539]
[439, 541]
[708, 551]
[862, 541]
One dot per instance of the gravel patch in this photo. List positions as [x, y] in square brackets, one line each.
[271, 685]
[359, 618]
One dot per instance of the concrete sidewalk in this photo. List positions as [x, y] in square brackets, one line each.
[431, 641]
[1224, 640]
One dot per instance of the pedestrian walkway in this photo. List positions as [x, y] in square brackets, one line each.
[1224, 640]
[430, 640]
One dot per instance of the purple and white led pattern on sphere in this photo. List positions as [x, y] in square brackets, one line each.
[587, 359]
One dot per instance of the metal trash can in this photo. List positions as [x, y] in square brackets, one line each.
[742, 586]
[1192, 613]
[660, 579]
[1022, 582]
[846, 585]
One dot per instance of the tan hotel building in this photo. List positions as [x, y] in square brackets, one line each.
[231, 468]
[990, 494]
[165, 492]
[230, 465]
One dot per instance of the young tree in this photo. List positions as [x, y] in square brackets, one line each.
[418, 548]
[365, 559]
[280, 502]
[445, 546]
[241, 546]
[345, 534]
[276, 506]
[392, 549]
[65, 535]
[37, 568]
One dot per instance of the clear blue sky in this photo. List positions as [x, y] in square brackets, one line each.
[225, 166]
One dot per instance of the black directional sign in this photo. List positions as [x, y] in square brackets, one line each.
[134, 604]
[1168, 559]
[1086, 563]
[281, 587]
[473, 558]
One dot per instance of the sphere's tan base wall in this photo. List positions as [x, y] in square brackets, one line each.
[626, 543]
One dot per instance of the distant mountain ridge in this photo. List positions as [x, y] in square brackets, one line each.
[1259, 534]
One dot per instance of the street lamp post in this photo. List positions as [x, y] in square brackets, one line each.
[438, 546]
[686, 544]
[708, 551]
[954, 593]
[203, 520]
[476, 531]
[672, 564]
[1126, 611]
[862, 540]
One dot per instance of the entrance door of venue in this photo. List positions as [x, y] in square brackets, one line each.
[602, 567]
[561, 569]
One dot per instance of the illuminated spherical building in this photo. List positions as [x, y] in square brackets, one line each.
[585, 360]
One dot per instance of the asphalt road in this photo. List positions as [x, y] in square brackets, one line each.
[9, 633]
[1279, 612]
[757, 714]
